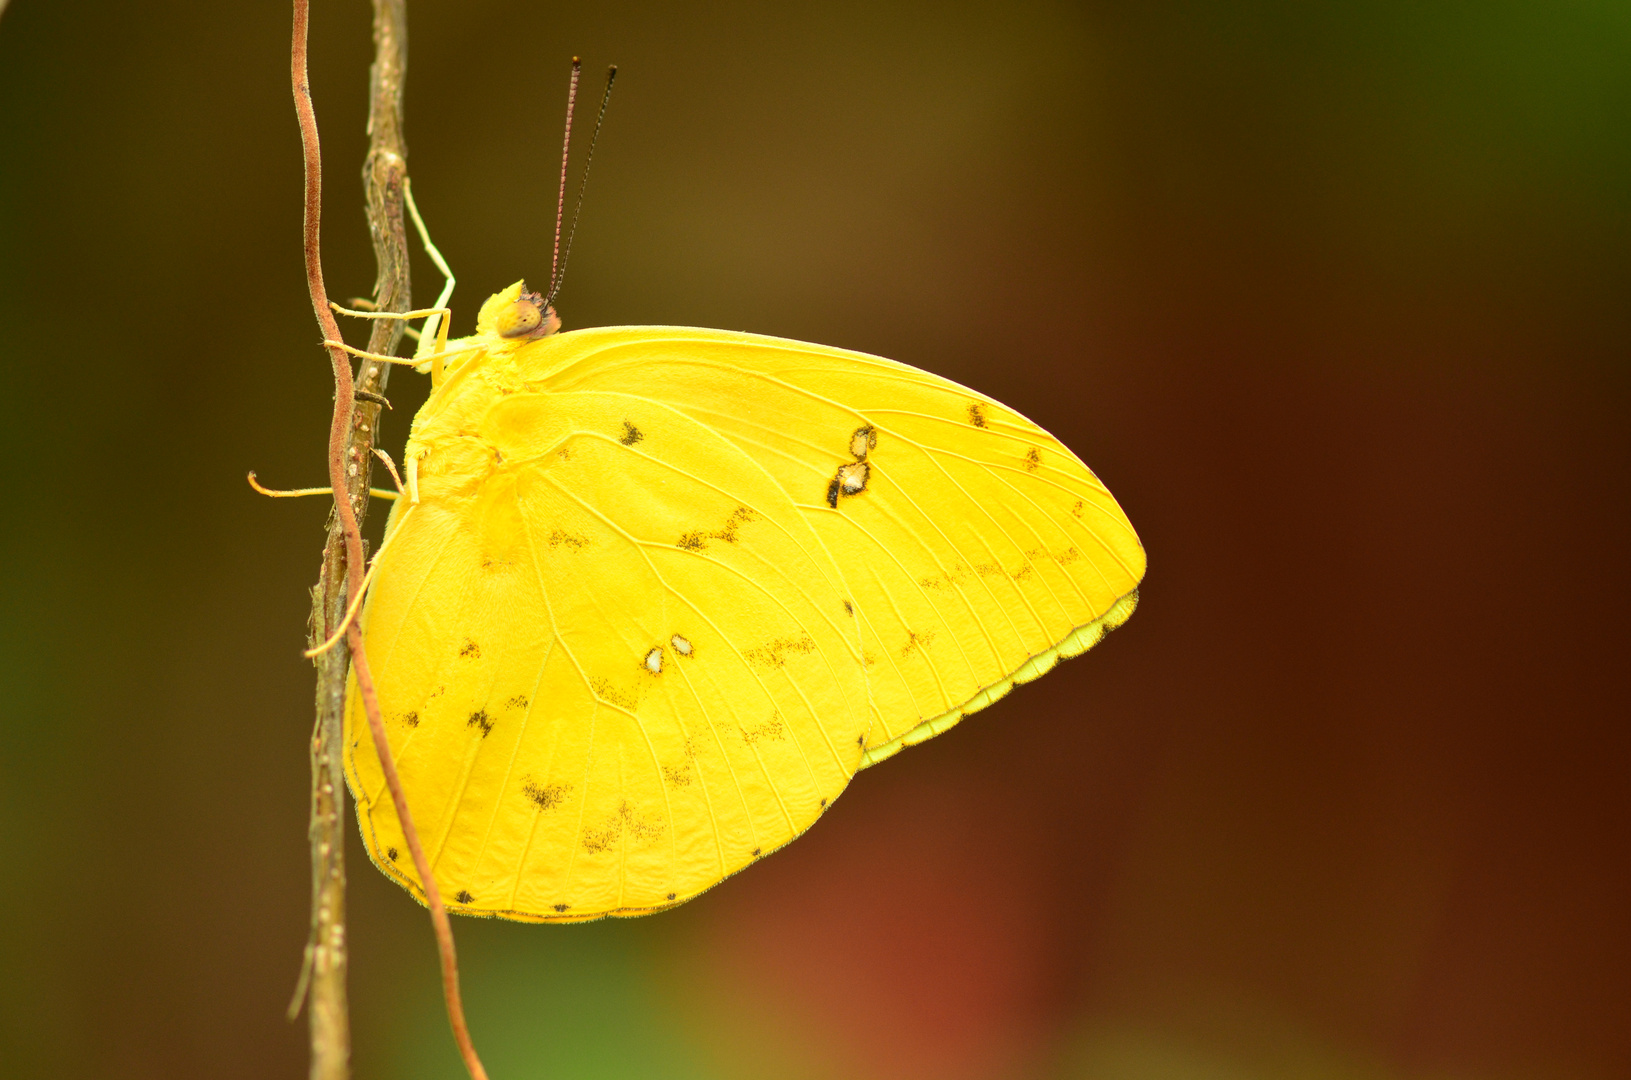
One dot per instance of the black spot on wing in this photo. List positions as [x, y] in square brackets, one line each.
[772, 729]
[832, 493]
[463, 896]
[915, 641]
[626, 826]
[544, 796]
[671, 896]
[604, 689]
[471, 650]
[631, 434]
[480, 719]
[390, 853]
[976, 414]
[571, 540]
[729, 532]
[774, 653]
[562, 907]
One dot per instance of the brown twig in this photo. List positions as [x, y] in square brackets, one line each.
[351, 437]
[433, 895]
[324, 974]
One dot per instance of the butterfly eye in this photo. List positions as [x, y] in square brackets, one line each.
[520, 319]
[528, 317]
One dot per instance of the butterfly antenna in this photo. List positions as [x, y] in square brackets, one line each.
[605, 99]
[566, 151]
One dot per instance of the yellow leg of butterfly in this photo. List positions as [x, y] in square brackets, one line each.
[433, 313]
[436, 325]
[362, 303]
[357, 313]
[291, 493]
[356, 601]
[436, 317]
[435, 359]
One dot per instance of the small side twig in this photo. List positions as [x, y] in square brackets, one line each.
[351, 437]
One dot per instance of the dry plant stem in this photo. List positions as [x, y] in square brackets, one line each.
[326, 956]
[433, 895]
[384, 175]
[349, 458]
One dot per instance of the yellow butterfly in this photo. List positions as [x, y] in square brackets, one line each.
[655, 594]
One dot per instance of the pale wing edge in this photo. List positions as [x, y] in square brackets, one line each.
[1075, 643]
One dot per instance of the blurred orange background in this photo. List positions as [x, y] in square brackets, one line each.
[1334, 298]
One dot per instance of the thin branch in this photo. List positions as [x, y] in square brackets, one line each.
[323, 976]
[384, 173]
[433, 895]
[351, 437]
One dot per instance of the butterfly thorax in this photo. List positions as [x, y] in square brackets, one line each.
[451, 451]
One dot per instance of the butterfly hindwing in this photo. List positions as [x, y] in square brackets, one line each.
[612, 658]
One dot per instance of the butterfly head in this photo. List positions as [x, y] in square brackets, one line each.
[518, 314]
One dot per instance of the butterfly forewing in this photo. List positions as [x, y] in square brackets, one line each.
[975, 550]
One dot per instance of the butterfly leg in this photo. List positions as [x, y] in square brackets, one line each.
[408, 360]
[363, 304]
[435, 325]
[290, 493]
[436, 318]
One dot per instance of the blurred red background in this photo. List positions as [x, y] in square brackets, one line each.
[1333, 297]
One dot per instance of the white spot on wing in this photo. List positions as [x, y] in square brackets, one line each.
[681, 646]
[654, 661]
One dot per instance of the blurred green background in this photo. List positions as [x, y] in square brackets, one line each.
[1334, 296]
